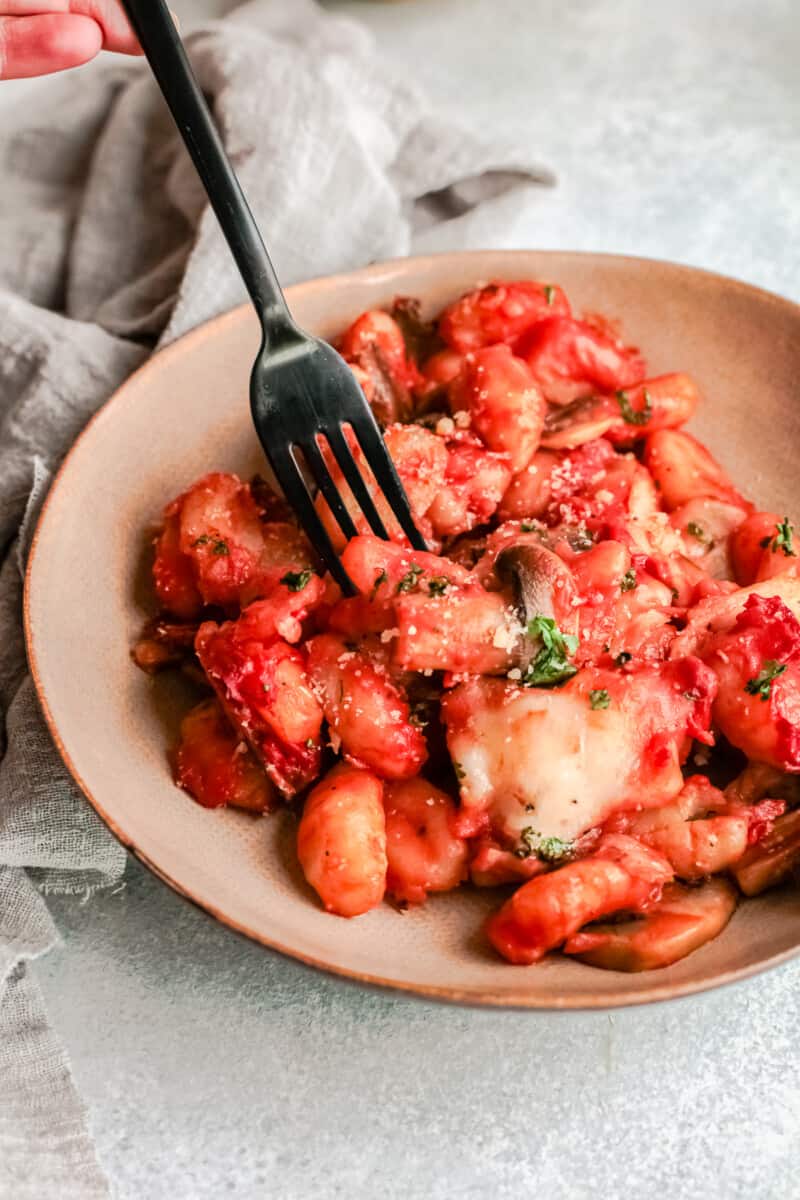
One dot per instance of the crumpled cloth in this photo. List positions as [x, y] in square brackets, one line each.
[107, 251]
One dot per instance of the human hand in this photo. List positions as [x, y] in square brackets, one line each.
[38, 37]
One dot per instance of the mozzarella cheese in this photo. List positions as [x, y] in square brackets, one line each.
[544, 760]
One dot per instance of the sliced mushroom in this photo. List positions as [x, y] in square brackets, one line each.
[388, 396]
[684, 919]
[543, 584]
[421, 337]
[571, 425]
[164, 643]
[759, 780]
[773, 860]
[466, 548]
[544, 588]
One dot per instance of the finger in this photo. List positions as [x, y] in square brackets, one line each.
[41, 45]
[109, 15]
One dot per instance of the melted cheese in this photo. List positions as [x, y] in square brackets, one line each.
[545, 760]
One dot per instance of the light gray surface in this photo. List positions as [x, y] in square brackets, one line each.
[214, 1067]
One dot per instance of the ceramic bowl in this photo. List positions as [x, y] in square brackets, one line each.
[185, 413]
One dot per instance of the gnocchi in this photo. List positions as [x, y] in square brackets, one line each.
[543, 700]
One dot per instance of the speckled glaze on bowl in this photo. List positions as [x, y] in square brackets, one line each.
[185, 413]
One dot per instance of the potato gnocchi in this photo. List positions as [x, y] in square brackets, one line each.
[586, 692]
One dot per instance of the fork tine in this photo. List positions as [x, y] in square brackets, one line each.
[369, 437]
[355, 481]
[322, 477]
[290, 478]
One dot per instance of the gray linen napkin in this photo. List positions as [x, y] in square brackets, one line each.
[107, 249]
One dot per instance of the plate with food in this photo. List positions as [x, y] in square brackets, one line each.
[554, 760]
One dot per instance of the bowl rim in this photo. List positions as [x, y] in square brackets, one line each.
[184, 345]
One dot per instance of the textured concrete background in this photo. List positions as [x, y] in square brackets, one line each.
[213, 1067]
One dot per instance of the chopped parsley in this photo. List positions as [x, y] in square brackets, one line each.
[628, 581]
[635, 416]
[218, 546]
[528, 527]
[410, 579]
[297, 580]
[580, 538]
[549, 294]
[438, 585]
[551, 664]
[554, 849]
[549, 849]
[380, 578]
[697, 531]
[599, 698]
[761, 684]
[783, 540]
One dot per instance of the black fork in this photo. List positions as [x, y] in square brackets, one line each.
[301, 390]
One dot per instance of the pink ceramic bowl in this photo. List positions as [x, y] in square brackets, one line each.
[185, 413]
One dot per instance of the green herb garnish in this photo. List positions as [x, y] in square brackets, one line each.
[697, 531]
[438, 585]
[549, 849]
[218, 546]
[551, 664]
[580, 538]
[599, 698]
[635, 416]
[783, 540]
[628, 581]
[528, 527]
[554, 849]
[762, 683]
[409, 580]
[380, 578]
[297, 580]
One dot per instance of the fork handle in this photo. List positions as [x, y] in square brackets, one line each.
[154, 26]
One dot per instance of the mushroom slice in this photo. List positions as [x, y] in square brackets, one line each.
[682, 920]
[543, 584]
[773, 860]
[580, 421]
